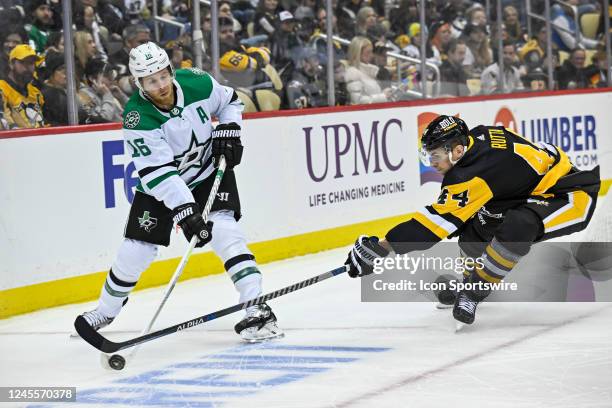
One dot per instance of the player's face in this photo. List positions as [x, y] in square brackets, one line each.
[438, 159]
[158, 87]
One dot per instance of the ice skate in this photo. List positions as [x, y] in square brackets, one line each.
[96, 319]
[259, 324]
[464, 310]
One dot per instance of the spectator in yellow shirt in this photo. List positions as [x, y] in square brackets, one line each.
[22, 102]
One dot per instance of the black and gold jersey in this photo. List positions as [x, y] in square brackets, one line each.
[22, 111]
[242, 59]
[500, 170]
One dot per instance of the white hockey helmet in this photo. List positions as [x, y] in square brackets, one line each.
[147, 59]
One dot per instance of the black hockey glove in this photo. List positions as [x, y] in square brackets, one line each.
[226, 141]
[188, 217]
[362, 256]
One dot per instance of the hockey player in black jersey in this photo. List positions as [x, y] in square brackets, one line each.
[500, 194]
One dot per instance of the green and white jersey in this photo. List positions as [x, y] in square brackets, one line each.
[172, 150]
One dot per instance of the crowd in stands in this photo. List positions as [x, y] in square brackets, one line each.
[275, 54]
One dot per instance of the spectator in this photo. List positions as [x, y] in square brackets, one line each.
[96, 95]
[513, 25]
[285, 42]
[266, 17]
[453, 11]
[305, 10]
[85, 19]
[563, 17]
[411, 74]
[306, 87]
[532, 54]
[135, 9]
[111, 13]
[240, 65]
[489, 80]
[452, 74]
[13, 36]
[55, 42]
[478, 54]
[476, 15]
[40, 18]
[535, 80]
[133, 36]
[403, 16]
[440, 37]
[366, 20]
[176, 53]
[55, 109]
[320, 44]
[383, 76]
[243, 11]
[22, 101]
[361, 74]
[571, 74]
[225, 10]
[597, 73]
[413, 49]
[341, 92]
[346, 12]
[84, 50]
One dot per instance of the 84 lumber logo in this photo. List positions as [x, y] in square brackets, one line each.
[147, 222]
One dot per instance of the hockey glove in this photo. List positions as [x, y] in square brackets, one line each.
[188, 217]
[362, 256]
[226, 141]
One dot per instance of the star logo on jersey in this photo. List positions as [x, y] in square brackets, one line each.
[132, 119]
[147, 222]
[193, 156]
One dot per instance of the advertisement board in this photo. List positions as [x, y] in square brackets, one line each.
[65, 197]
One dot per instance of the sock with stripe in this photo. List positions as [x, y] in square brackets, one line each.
[133, 258]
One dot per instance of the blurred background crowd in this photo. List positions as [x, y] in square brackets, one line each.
[274, 52]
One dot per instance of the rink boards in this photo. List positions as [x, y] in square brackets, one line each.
[307, 183]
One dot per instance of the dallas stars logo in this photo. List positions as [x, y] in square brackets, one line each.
[147, 222]
[131, 119]
[192, 156]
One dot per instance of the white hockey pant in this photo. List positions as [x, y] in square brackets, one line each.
[134, 257]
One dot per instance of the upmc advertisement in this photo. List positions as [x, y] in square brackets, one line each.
[299, 174]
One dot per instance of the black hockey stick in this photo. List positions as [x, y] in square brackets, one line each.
[103, 344]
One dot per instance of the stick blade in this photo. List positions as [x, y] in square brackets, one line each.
[94, 338]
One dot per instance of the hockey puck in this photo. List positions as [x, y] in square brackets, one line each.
[116, 362]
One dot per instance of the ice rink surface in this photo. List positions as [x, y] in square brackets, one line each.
[338, 351]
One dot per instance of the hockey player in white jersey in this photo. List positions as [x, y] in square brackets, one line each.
[167, 126]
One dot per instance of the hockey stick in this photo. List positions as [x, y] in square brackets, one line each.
[101, 343]
[185, 258]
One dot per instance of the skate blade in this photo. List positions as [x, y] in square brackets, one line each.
[264, 339]
[459, 326]
[442, 306]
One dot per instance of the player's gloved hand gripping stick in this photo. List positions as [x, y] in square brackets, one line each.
[197, 240]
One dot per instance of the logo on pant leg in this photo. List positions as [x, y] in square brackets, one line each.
[147, 222]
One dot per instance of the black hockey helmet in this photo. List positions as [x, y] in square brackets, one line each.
[444, 130]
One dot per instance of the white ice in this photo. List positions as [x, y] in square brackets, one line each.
[338, 351]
